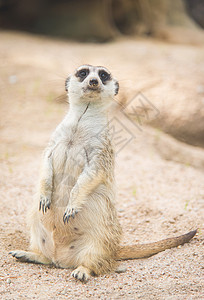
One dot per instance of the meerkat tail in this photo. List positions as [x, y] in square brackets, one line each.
[146, 250]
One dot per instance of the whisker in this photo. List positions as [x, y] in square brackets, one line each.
[62, 98]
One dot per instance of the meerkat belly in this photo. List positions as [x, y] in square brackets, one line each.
[68, 163]
[90, 231]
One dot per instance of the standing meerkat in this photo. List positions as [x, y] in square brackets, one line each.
[73, 221]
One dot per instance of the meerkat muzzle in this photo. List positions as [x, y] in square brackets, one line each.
[93, 84]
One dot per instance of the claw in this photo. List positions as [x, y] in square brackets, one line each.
[83, 277]
[75, 275]
[65, 218]
[80, 275]
[74, 213]
[69, 213]
[44, 204]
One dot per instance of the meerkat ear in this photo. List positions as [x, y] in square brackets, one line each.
[116, 87]
[67, 83]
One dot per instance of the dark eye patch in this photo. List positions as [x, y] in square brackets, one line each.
[67, 84]
[82, 74]
[116, 87]
[104, 76]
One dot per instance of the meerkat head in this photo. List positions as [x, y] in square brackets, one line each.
[91, 84]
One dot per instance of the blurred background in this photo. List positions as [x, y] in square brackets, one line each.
[154, 46]
[101, 20]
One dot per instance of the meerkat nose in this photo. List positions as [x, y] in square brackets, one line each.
[93, 82]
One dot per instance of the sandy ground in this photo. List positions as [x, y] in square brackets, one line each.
[156, 198]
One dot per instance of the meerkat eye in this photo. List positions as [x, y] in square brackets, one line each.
[104, 76]
[82, 73]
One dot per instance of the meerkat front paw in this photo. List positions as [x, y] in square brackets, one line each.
[69, 212]
[45, 202]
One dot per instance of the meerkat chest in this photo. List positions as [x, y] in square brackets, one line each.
[73, 150]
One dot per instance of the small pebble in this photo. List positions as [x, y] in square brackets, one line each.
[121, 269]
[8, 280]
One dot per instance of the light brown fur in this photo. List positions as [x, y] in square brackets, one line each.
[73, 221]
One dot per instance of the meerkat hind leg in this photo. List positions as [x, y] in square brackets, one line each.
[31, 257]
[81, 273]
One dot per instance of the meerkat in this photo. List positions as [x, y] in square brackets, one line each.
[73, 221]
